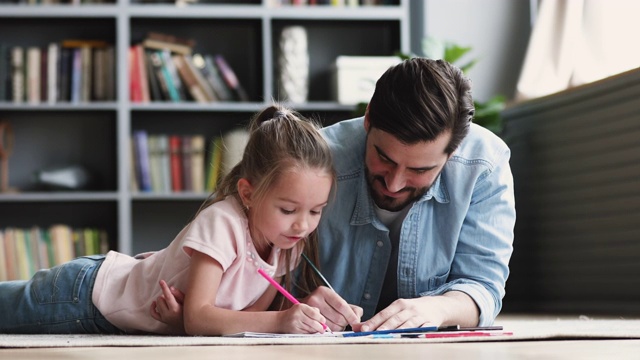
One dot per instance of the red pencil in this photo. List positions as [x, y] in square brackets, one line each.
[436, 335]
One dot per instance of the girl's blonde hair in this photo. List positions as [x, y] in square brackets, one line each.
[280, 140]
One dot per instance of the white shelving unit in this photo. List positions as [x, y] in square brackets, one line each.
[97, 134]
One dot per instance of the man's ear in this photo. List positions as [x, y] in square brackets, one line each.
[245, 190]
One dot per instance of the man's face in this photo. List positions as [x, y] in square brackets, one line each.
[399, 174]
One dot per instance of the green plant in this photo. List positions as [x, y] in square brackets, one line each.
[487, 113]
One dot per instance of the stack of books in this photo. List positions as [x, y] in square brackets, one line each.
[165, 68]
[25, 251]
[67, 71]
[164, 163]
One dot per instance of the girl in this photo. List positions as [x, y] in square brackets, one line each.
[263, 216]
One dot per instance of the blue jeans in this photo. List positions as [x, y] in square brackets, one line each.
[54, 301]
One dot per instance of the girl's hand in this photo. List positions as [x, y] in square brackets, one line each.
[167, 308]
[301, 319]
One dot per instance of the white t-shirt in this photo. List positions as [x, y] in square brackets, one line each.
[125, 287]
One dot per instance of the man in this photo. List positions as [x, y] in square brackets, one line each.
[420, 231]
[421, 228]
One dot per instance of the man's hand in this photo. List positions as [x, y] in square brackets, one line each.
[167, 308]
[335, 309]
[452, 308]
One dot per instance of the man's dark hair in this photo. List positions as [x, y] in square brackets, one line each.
[419, 99]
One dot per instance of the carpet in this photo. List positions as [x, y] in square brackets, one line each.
[524, 328]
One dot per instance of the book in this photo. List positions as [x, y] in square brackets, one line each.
[142, 159]
[5, 72]
[170, 75]
[189, 80]
[3, 260]
[175, 148]
[230, 78]
[159, 72]
[53, 59]
[213, 77]
[76, 75]
[64, 74]
[133, 166]
[17, 74]
[171, 39]
[187, 182]
[78, 43]
[135, 88]
[110, 72]
[155, 93]
[164, 45]
[33, 75]
[154, 164]
[43, 74]
[190, 61]
[165, 162]
[142, 73]
[160, 41]
[10, 252]
[85, 78]
[197, 163]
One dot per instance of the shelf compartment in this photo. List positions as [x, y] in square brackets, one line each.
[81, 214]
[362, 38]
[50, 139]
[239, 41]
[156, 223]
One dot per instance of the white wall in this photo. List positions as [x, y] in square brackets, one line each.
[496, 30]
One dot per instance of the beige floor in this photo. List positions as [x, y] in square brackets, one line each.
[536, 349]
[592, 349]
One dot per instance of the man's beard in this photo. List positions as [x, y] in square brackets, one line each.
[388, 203]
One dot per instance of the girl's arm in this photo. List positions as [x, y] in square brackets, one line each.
[202, 317]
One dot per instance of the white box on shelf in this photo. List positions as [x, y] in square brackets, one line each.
[354, 77]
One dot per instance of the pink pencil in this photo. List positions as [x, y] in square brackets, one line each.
[465, 334]
[283, 291]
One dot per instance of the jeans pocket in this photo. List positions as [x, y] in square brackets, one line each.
[62, 283]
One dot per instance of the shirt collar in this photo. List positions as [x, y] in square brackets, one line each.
[364, 211]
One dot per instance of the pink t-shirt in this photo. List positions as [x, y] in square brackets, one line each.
[125, 287]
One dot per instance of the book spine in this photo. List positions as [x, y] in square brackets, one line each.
[33, 75]
[142, 152]
[87, 65]
[187, 182]
[176, 162]
[17, 71]
[76, 75]
[197, 163]
[53, 55]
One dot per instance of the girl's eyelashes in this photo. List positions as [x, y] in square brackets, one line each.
[286, 211]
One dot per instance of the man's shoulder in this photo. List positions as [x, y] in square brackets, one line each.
[343, 129]
[481, 146]
[347, 141]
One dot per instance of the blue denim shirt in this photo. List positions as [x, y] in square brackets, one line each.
[458, 236]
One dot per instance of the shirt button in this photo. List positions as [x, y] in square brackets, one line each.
[380, 243]
[367, 296]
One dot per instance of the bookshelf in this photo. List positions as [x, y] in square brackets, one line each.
[97, 133]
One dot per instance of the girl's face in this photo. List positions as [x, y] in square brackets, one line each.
[292, 208]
